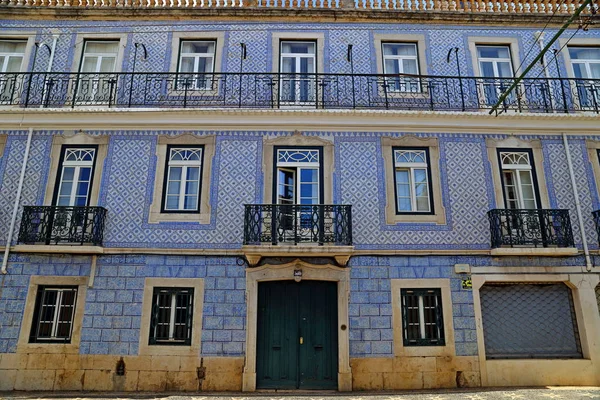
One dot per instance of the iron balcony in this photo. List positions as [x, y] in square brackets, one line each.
[297, 223]
[530, 228]
[279, 90]
[62, 225]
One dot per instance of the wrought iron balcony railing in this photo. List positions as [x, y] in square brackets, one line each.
[298, 223]
[530, 228]
[279, 90]
[62, 225]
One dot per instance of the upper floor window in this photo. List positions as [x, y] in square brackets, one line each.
[75, 177]
[298, 175]
[12, 53]
[518, 179]
[171, 320]
[494, 61]
[196, 57]
[422, 317]
[53, 314]
[297, 64]
[412, 180]
[401, 58]
[99, 56]
[586, 62]
[183, 179]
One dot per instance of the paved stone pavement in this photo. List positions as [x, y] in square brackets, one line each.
[545, 393]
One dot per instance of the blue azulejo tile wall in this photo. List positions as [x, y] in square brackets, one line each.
[237, 178]
[370, 308]
[157, 36]
[113, 306]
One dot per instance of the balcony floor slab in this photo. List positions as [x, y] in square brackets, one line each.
[535, 251]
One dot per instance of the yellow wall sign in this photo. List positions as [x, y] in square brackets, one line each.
[466, 283]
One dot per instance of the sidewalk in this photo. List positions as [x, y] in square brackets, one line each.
[543, 393]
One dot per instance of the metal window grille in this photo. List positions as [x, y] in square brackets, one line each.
[53, 314]
[529, 320]
[422, 317]
[171, 322]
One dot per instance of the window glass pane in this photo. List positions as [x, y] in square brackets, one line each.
[193, 173]
[307, 65]
[12, 46]
[288, 65]
[175, 173]
[423, 204]
[84, 173]
[189, 202]
[392, 67]
[505, 69]
[187, 64]
[191, 187]
[420, 175]
[584, 53]
[399, 49]
[298, 47]
[174, 187]
[410, 67]
[68, 173]
[493, 52]
[198, 47]
[595, 70]
[487, 69]
[579, 70]
[101, 47]
[66, 188]
[82, 189]
[89, 64]
[107, 64]
[14, 64]
[172, 202]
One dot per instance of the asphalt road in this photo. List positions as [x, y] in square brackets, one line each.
[546, 393]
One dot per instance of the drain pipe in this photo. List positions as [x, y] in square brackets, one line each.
[16, 207]
[586, 251]
[539, 36]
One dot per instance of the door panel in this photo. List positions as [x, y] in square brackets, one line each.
[277, 350]
[318, 322]
[297, 335]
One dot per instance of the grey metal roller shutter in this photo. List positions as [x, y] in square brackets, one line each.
[524, 320]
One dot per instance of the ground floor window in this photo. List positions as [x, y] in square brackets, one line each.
[529, 320]
[172, 310]
[422, 318]
[53, 314]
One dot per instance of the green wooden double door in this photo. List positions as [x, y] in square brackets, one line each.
[297, 342]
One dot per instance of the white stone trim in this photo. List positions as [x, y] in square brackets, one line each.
[165, 350]
[309, 272]
[520, 372]
[23, 345]
[422, 351]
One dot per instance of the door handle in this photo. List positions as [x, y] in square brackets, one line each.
[301, 340]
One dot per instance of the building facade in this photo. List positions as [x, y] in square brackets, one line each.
[201, 197]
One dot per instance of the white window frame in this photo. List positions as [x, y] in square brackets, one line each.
[293, 75]
[407, 85]
[585, 62]
[77, 165]
[207, 83]
[515, 169]
[495, 60]
[185, 165]
[411, 167]
[100, 56]
[8, 55]
[296, 167]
